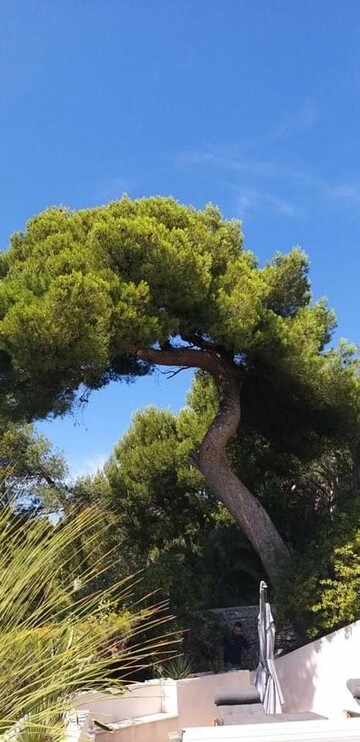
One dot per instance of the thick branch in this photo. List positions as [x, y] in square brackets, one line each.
[187, 357]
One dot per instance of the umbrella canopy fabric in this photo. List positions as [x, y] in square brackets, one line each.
[266, 680]
[261, 672]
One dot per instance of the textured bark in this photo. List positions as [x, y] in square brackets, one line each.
[246, 510]
[212, 461]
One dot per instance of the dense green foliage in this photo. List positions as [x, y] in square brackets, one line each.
[313, 497]
[101, 294]
[80, 290]
[301, 486]
[164, 519]
[30, 472]
[169, 522]
[324, 593]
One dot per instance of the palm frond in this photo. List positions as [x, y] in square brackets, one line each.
[56, 641]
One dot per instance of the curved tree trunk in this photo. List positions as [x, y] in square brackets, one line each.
[212, 461]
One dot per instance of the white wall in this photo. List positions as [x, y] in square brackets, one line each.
[314, 677]
[141, 699]
[196, 696]
[183, 703]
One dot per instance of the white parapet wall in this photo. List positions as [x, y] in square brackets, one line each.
[196, 696]
[314, 677]
[140, 700]
[150, 711]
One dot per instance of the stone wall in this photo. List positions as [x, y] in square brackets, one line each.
[286, 638]
[248, 616]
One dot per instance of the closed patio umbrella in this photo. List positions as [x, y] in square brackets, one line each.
[266, 680]
[261, 672]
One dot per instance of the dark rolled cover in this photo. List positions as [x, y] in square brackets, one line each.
[237, 698]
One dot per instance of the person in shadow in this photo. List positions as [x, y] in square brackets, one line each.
[234, 646]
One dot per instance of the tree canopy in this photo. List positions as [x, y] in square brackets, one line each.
[108, 293]
[168, 519]
[30, 471]
[81, 292]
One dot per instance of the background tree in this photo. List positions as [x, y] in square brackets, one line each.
[157, 506]
[312, 493]
[313, 501]
[111, 292]
[156, 494]
[323, 594]
[303, 482]
[169, 520]
[30, 472]
[164, 522]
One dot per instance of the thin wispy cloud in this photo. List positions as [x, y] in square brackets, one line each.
[246, 201]
[263, 182]
[347, 194]
[283, 206]
[249, 201]
[275, 184]
[114, 188]
[87, 466]
[300, 121]
[231, 161]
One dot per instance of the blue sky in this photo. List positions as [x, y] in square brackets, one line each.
[251, 104]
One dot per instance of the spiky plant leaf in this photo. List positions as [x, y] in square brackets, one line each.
[54, 641]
